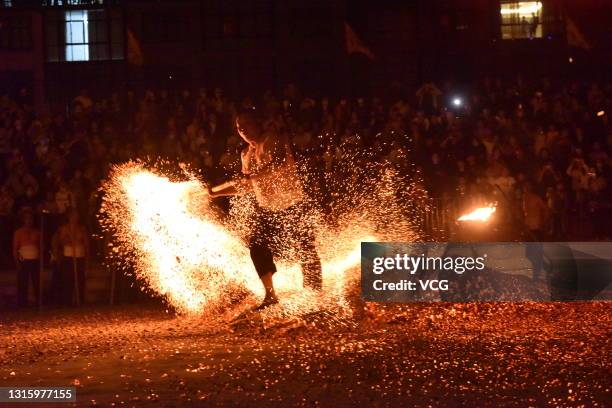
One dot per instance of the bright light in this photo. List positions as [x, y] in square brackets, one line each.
[179, 248]
[457, 101]
[571, 60]
[525, 8]
[77, 35]
[601, 113]
[481, 214]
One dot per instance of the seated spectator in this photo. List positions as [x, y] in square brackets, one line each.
[64, 199]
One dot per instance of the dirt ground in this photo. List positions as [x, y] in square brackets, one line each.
[469, 355]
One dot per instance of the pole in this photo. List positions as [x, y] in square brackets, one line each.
[41, 259]
[74, 271]
[76, 280]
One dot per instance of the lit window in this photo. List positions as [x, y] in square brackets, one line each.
[521, 19]
[77, 36]
[84, 35]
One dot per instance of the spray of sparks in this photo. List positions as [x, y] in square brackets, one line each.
[165, 230]
[482, 214]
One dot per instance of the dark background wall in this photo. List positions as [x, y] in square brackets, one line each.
[252, 46]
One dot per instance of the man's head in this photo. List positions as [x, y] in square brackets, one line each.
[249, 127]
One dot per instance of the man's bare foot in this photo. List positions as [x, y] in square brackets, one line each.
[268, 301]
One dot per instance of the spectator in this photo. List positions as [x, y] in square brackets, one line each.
[26, 254]
[535, 212]
[506, 134]
[73, 250]
[64, 199]
[6, 222]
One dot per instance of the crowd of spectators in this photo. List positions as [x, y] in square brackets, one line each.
[541, 147]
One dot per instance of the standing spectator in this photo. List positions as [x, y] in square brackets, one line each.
[74, 252]
[7, 203]
[26, 243]
[535, 212]
[558, 207]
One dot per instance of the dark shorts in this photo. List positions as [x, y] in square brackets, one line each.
[288, 233]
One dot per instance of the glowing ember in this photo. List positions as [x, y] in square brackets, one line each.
[481, 214]
[169, 235]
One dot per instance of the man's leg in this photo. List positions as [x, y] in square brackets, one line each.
[68, 282]
[266, 280]
[534, 254]
[32, 273]
[261, 254]
[22, 286]
[265, 267]
[81, 278]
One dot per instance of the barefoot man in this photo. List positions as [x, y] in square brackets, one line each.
[270, 172]
[26, 244]
[74, 247]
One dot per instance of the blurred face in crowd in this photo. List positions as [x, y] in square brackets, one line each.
[29, 191]
[435, 159]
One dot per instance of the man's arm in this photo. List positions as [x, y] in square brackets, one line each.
[231, 188]
[223, 190]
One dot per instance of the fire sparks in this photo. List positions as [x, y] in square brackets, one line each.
[482, 214]
[181, 248]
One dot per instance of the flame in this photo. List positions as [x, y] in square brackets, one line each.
[180, 248]
[479, 214]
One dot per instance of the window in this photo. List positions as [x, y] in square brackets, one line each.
[15, 33]
[77, 36]
[50, 3]
[521, 19]
[84, 35]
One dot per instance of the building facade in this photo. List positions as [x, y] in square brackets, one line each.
[57, 47]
